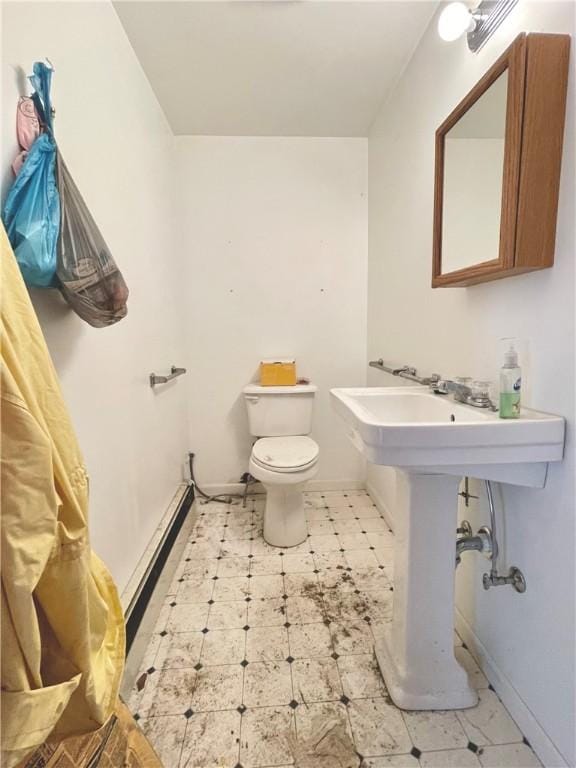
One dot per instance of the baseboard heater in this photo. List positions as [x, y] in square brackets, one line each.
[137, 607]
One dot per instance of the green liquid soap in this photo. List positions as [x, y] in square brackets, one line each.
[510, 386]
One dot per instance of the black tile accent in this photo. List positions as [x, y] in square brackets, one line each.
[316, 571]
[243, 663]
[289, 659]
[525, 741]
[151, 670]
[198, 667]
[163, 633]
[367, 619]
[248, 599]
[293, 704]
[472, 747]
[214, 578]
[335, 656]
[491, 687]
[415, 752]
[344, 699]
[241, 709]
[464, 646]
[287, 624]
[210, 602]
[246, 627]
[250, 556]
[249, 576]
[205, 631]
[381, 567]
[180, 581]
[282, 573]
[173, 603]
[187, 559]
[136, 717]
[371, 547]
[188, 714]
[342, 550]
[281, 554]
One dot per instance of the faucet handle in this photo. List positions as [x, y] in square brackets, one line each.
[439, 387]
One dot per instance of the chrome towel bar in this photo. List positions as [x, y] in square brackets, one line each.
[174, 373]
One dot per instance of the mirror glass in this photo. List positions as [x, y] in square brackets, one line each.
[473, 173]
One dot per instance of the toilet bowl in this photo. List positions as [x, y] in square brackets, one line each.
[283, 457]
[284, 465]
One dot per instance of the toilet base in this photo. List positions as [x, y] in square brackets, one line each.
[284, 516]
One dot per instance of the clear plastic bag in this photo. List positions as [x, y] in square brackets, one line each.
[89, 279]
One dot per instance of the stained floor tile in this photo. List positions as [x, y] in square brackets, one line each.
[265, 737]
[212, 740]
[316, 680]
[378, 728]
[267, 684]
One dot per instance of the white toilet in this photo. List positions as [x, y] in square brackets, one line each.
[283, 458]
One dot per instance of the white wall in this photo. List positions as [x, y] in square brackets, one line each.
[276, 247]
[530, 638]
[119, 149]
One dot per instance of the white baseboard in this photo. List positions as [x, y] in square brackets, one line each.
[518, 709]
[380, 505]
[317, 485]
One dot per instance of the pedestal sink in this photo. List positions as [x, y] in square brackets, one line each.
[433, 442]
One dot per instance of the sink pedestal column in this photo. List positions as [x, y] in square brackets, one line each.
[416, 655]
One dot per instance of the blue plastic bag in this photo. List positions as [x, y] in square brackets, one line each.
[32, 209]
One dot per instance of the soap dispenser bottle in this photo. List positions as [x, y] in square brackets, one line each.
[510, 385]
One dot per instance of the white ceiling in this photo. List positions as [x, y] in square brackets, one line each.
[273, 68]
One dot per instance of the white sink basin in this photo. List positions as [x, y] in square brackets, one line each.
[434, 441]
[412, 427]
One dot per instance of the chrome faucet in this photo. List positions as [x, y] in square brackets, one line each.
[475, 394]
[464, 390]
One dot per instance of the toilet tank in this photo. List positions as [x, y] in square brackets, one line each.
[279, 411]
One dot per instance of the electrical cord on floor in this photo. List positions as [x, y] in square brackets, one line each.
[220, 498]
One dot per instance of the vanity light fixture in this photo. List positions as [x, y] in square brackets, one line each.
[479, 24]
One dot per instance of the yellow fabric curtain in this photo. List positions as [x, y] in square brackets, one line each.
[62, 626]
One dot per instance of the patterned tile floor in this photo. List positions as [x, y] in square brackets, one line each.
[257, 649]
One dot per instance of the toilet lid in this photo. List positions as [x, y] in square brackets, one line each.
[285, 452]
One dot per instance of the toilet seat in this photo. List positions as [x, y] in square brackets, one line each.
[285, 454]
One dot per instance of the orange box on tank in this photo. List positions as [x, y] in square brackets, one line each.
[278, 373]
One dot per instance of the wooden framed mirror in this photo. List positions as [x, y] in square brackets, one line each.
[497, 173]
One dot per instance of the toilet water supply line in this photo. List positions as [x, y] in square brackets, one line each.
[486, 541]
[221, 498]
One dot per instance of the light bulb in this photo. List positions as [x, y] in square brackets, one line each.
[454, 20]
